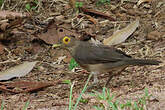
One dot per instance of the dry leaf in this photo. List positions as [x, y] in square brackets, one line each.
[12, 15]
[91, 11]
[54, 33]
[23, 86]
[121, 35]
[90, 18]
[17, 71]
[142, 1]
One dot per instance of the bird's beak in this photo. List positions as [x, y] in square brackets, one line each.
[56, 45]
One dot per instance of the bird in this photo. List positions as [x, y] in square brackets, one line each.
[99, 58]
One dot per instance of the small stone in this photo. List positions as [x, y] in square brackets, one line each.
[147, 6]
[150, 11]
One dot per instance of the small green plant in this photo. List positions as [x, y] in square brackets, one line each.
[2, 105]
[70, 96]
[67, 81]
[78, 4]
[1, 2]
[115, 104]
[85, 101]
[24, 108]
[105, 95]
[82, 92]
[73, 64]
[32, 5]
[26, 105]
[79, 99]
[143, 100]
[102, 2]
[127, 104]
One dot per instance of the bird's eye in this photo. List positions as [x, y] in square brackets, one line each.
[66, 40]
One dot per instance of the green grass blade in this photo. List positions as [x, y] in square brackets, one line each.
[70, 97]
[136, 106]
[82, 92]
[112, 105]
[2, 105]
[26, 105]
[104, 93]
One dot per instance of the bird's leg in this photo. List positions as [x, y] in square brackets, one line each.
[95, 78]
[109, 78]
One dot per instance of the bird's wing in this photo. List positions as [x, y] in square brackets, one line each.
[89, 53]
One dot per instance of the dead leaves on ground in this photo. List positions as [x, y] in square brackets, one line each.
[54, 33]
[23, 86]
[97, 13]
[82, 26]
[121, 35]
[8, 21]
[59, 28]
[17, 71]
[12, 15]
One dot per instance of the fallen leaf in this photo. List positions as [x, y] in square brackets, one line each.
[12, 15]
[142, 1]
[17, 71]
[54, 33]
[7, 27]
[23, 86]
[50, 36]
[91, 11]
[90, 18]
[121, 35]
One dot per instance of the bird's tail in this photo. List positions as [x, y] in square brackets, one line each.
[143, 62]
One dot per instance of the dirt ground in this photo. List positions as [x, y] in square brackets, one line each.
[148, 41]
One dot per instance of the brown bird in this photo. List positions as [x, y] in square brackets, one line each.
[100, 58]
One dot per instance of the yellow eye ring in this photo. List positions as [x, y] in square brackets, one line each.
[66, 40]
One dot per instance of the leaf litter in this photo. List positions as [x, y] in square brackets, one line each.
[17, 71]
[121, 35]
[60, 91]
[23, 86]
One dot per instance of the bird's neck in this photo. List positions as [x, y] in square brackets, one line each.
[72, 49]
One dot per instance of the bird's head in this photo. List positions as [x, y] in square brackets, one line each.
[66, 42]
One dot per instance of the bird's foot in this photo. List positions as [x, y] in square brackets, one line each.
[94, 85]
[95, 82]
[109, 79]
[95, 79]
